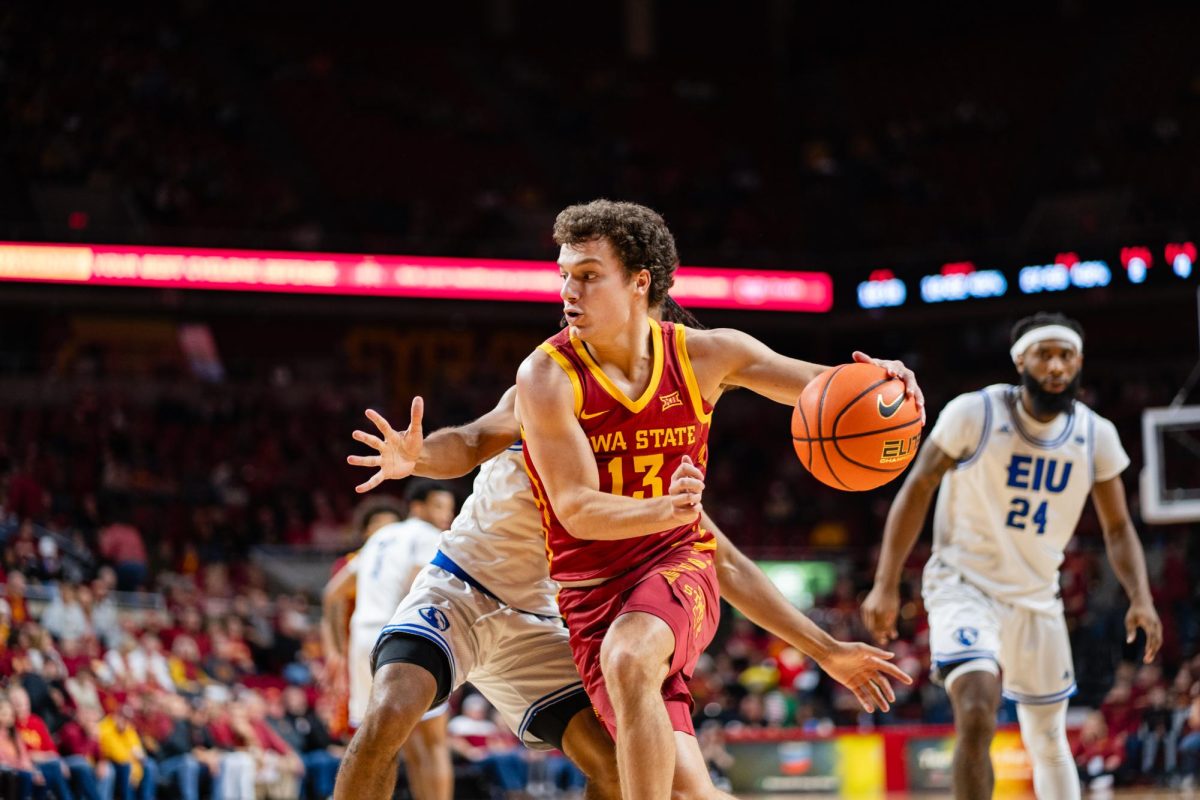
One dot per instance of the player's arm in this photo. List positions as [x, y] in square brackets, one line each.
[724, 356]
[1128, 561]
[446, 453]
[905, 520]
[335, 610]
[859, 667]
[565, 462]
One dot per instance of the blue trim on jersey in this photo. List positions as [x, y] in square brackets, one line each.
[547, 701]
[424, 633]
[445, 562]
[950, 659]
[515, 447]
[1040, 699]
[1046, 444]
[983, 436]
[1091, 447]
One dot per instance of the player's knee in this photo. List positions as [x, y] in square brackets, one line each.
[1044, 732]
[400, 695]
[625, 668]
[975, 710]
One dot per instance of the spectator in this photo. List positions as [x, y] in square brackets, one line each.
[41, 748]
[98, 603]
[121, 544]
[1154, 735]
[14, 593]
[149, 665]
[13, 754]
[1189, 746]
[184, 751]
[236, 773]
[83, 691]
[186, 672]
[304, 731]
[279, 766]
[79, 744]
[1098, 754]
[64, 617]
[121, 745]
[475, 737]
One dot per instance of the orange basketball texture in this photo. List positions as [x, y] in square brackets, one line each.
[854, 429]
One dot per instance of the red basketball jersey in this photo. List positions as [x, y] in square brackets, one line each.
[638, 445]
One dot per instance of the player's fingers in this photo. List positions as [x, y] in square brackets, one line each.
[693, 485]
[878, 652]
[892, 671]
[363, 461]
[861, 357]
[863, 700]
[686, 460]
[417, 414]
[886, 686]
[384, 426]
[374, 481]
[369, 440]
[877, 696]
[1153, 640]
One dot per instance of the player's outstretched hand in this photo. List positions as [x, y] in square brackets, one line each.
[1145, 617]
[865, 670]
[879, 611]
[687, 488]
[398, 452]
[896, 369]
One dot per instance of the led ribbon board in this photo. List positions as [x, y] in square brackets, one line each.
[387, 276]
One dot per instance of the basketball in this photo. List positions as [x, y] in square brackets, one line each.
[854, 429]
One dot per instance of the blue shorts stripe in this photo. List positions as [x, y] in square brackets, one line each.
[1041, 699]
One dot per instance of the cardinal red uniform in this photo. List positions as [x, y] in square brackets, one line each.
[638, 445]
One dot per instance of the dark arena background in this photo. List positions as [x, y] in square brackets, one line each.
[230, 228]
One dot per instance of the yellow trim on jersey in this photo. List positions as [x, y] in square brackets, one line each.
[613, 390]
[568, 368]
[689, 376]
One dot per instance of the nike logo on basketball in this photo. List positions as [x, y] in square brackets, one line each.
[585, 415]
[888, 410]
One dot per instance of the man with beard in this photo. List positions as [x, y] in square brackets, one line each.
[1015, 465]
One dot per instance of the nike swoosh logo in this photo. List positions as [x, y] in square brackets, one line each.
[585, 415]
[888, 410]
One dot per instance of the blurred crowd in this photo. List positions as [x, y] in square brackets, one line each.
[197, 696]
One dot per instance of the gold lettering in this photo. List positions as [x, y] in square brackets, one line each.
[643, 440]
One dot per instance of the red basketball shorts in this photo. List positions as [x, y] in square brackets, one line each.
[681, 589]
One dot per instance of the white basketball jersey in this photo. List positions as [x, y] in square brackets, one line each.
[497, 537]
[383, 569]
[1006, 511]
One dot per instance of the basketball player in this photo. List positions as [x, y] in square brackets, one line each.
[1015, 465]
[337, 604]
[485, 611]
[385, 570]
[616, 411]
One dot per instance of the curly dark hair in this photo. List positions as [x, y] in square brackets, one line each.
[1041, 319]
[638, 234]
[372, 506]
